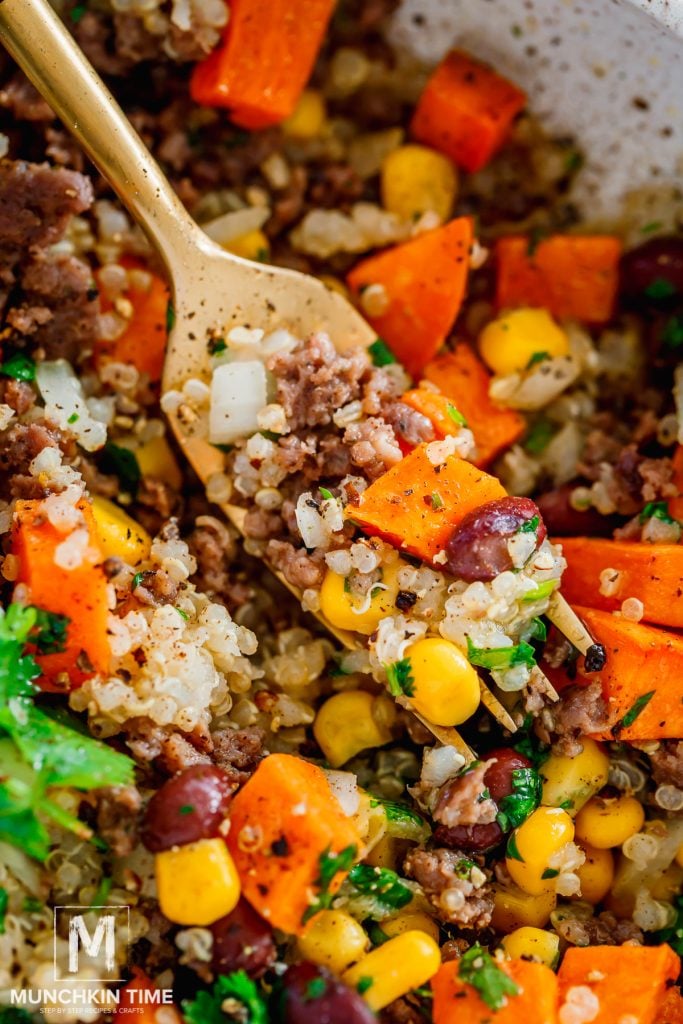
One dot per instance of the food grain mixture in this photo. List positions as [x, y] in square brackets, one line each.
[462, 802]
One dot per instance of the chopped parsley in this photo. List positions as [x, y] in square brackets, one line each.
[329, 865]
[674, 933]
[14, 1015]
[170, 316]
[73, 418]
[326, 493]
[538, 438]
[672, 332]
[436, 500]
[573, 161]
[400, 678]
[530, 526]
[657, 510]
[382, 883]
[77, 13]
[4, 901]
[182, 614]
[540, 592]
[186, 809]
[512, 850]
[659, 289]
[102, 892]
[463, 869]
[537, 357]
[380, 353]
[649, 228]
[536, 629]
[498, 659]
[38, 753]
[122, 463]
[525, 798]
[531, 747]
[137, 580]
[315, 988]
[20, 367]
[31, 906]
[402, 821]
[550, 873]
[536, 236]
[478, 968]
[456, 415]
[636, 709]
[364, 984]
[238, 987]
[216, 346]
[49, 632]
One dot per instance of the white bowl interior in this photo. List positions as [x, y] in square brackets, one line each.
[608, 72]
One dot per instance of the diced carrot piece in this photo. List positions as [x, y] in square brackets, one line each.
[676, 504]
[264, 61]
[653, 573]
[670, 1010]
[466, 110]
[424, 280]
[79, 593]
[462, 377]
[416, 505]
[282, 821]
[574, 277]
[137, 998]
[642, 678]
[143, 343]
[628, 981]
[457, 1002]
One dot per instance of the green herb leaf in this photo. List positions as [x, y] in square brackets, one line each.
[77, 13]
[537, 357]
[437, 500]
[501, 658]
[536, 236]
[657, 510]
[540, 592]
[216, 346]
[535, 629]
[550, 873]
[456, 415]
[14, 1015]
[653, 225]
[380, 353]
[121, 462]
[170, 316]
[182, 614]
[636, 708]
[329, 866]
[326, 493]
[672, 332]
[532, 748]
[206, 1007]
[4, 901]
[463, 868]
[383, 883]
[315, 988]
[539, 436]
[49, 632]
[20, 367]
[137, 580]
[573, 162]
[673, 935]
[403, 822]
[102, 892]
[512, 850]
[400, 678]
[478, 968]
[530, 526]
[73, 418]
[524, 799]
[660, 288]
[31, 906]
[364, 984]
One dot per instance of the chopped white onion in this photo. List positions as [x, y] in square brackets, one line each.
[440, 764]
[236, 223]
[344, 786]
[238, 393]
[66, 406]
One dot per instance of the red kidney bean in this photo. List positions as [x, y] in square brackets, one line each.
[477, 548]
[312, 995]
[188, 807]
[562, 520]
[242, 941]
[652, 273]
[498, 781]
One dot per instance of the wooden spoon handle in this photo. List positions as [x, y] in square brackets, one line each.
[44, 50]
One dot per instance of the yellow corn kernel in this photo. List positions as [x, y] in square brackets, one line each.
[351, 611]
[569, 782]
[410, 921]
[402, 963]
[388, 852]
[334, 940]
[415, 180]
[543, 834]
[308, 117]
[253, 245]
[595, 874]
[509, 343]
[513, 908]
[197, 883]
[349, 722]
[335, 285]
[528, 943]
[119, 535]
[679, 856]
[605, 823]
[667, 885]
[445, 687]
[155, 458]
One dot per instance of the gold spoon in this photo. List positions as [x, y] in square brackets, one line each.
[213, 290]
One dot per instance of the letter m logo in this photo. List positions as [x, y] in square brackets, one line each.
[90, 941]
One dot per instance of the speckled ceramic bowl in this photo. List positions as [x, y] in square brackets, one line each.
[608, 72]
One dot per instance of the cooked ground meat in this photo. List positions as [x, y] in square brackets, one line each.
[313, 381]
[461, 801]
[406, 1010]
[155, 503]
[24, 101]
[59, 306]
[408, 423]
[156, 588]
[667, 764]
[603, 930]
[18, 447]
[298, 568]
[580, 711]
[177, 753]
[455, 899]
[239, 750]
[374, 447]
[19, 395]
[118, 812]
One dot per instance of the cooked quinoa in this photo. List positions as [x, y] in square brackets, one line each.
[464, 795]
